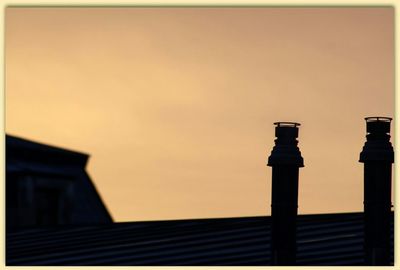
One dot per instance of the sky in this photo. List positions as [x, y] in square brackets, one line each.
[176, 105]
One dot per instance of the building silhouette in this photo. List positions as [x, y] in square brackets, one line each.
[48, 186]
[55, 217]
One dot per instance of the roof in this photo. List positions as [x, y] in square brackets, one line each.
[324, 239]
[19, 148]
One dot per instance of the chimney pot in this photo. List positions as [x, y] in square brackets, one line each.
[285, 150]
[378, 146]
[378, 125]
[285, 160]
[377, 156]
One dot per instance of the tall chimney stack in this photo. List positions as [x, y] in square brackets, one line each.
[285, 161]
[377, 156]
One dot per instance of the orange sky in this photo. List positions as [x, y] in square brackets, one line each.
[176, 105]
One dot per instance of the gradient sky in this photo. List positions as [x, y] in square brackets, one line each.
[176, 105]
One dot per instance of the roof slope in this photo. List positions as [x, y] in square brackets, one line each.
[327, 239]
[18, 148]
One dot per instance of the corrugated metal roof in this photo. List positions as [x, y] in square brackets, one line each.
[326, 239]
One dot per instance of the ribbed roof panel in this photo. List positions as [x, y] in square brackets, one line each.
[328, 239]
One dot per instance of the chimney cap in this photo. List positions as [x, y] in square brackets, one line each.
[378, 146]
[378, 119]
[287, 124]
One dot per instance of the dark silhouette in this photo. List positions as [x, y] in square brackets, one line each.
[48, 186]
[285, 161]
[377, 156]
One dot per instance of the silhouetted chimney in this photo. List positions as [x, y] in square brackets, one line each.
[285, 161]
[377, 156]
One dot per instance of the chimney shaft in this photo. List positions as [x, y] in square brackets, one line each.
[377, 156]
[285, 161]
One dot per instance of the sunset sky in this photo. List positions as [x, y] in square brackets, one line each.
[176, 105]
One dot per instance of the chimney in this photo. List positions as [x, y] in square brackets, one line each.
[285, 161]
[377, 156]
